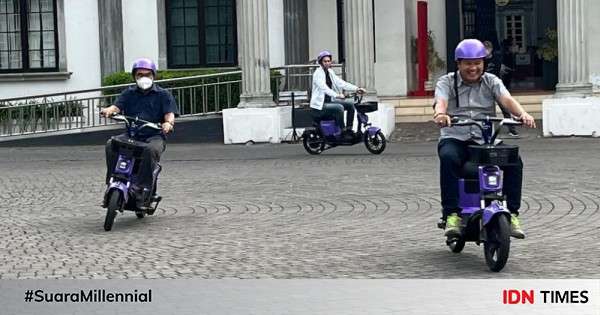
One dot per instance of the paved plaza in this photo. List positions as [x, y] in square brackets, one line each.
[273, 211]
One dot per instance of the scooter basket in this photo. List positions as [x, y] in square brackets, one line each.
[366, 107]
[128, 147]
[504, 155]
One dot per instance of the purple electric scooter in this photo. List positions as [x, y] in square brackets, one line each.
[484, 214]
[122, 192]
[326, 134]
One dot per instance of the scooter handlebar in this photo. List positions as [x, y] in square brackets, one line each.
[128, 120]
[357, 96]
[466, 121]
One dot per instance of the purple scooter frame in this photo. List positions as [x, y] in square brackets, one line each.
[485, 217]
[121, 193]
[490, 181]
[327, 134]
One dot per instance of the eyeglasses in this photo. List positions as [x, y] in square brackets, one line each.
[326, 60]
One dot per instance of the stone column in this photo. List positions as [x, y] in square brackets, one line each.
[253, 43]
[358, 35]
[110, 16]
[161, 14]
[295, 24]
[573, 63]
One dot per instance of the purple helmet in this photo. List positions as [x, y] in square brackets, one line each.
[323, 54]
[470, 49]
[143, 63]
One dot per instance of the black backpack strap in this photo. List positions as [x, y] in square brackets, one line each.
[456, 88]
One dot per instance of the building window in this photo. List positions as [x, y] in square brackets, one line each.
[340, 29]
[28, 36]
[515, 29]
[201, 33]
[469, 10]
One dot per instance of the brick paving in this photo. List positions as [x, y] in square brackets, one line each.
[273, 211]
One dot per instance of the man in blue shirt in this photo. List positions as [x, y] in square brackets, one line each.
[149, 102]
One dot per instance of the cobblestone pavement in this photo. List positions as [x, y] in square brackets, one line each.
[273, 211]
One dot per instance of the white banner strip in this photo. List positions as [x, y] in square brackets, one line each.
[435, 296]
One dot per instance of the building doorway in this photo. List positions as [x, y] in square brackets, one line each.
[517, 29]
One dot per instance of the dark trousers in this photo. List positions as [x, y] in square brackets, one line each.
[336, 109]
[453, 154]
[150, 157]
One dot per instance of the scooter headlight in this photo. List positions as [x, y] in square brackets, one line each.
[123, 165]
[492, 180]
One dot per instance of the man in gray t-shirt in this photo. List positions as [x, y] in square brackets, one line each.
[477, 93]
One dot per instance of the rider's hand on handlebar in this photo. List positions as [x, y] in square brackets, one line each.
[527, 120]
[107, 112]
[442, 120]
[167, 127]
[361, 91]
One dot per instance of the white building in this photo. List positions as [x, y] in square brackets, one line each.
[49, 46]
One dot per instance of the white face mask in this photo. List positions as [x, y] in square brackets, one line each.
[144, 83]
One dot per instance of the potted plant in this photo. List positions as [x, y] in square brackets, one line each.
[434, 61]
[548, 53]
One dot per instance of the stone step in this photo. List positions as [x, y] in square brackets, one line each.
[419, 109]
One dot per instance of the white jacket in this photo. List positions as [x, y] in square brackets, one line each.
[320, 88]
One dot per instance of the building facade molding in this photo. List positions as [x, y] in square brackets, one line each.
[110, 18]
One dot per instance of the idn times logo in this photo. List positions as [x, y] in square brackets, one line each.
[514, 296]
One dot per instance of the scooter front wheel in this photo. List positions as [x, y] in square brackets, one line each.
[114, 204]
[375, 143]
[497, 245]
[313, 142]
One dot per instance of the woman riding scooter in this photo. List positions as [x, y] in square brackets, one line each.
[327, 98]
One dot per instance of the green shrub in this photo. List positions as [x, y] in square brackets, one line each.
[35, 115]
[200, 95]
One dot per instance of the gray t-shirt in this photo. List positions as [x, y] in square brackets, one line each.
[476, 100]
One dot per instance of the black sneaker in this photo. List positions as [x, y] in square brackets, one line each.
[513, 133]
[348, 135]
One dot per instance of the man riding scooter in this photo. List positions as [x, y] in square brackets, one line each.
[472, 92]
[151, 103]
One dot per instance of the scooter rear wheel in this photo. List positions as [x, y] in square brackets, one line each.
[456, 245]
[497, 246]
[313, 142]
[375, 143]
[114, 204]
